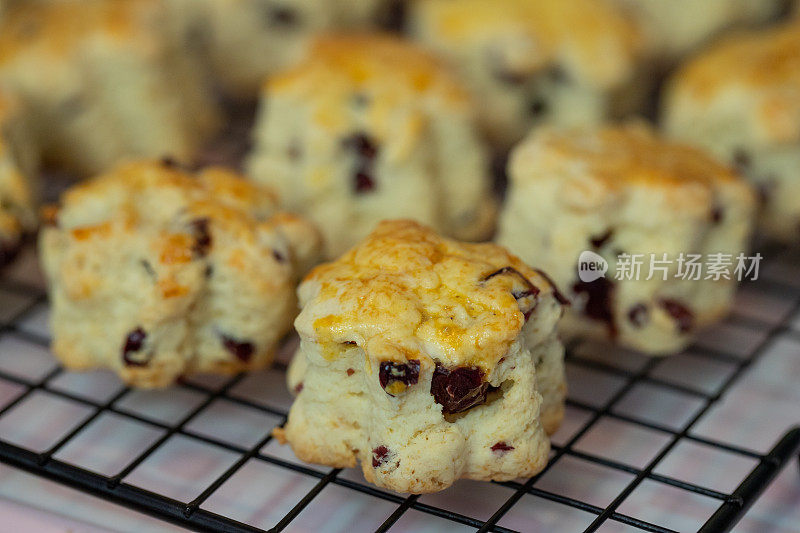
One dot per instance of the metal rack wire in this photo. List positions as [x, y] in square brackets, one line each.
[192, 514]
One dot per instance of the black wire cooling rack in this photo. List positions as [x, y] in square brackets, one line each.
[24, 298]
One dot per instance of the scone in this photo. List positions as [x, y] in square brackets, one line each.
[676, 27]
[104, 80]
[741, 100]
[370, 127]
[19, 160]
[426, 360]
[155, 273]
[629, 197]
[533, 62]
[244, 41]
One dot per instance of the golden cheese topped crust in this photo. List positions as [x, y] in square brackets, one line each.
[59, 27]
[152, 193]
[622, 155]
[173, 214]
[594, 40]
[406, 293]
[337, 66]
[763, 60]
[763, 66]
[161, 201]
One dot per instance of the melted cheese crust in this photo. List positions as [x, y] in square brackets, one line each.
[594, 39]
[374, 64]
[406, 293]
[59, 27]
[618, 156]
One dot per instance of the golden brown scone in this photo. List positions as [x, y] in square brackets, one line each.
[245, 41]
[741, 100]
[533, 62]
[105, 80]
[674, 28]
[621, 192]
[19, 165]
[155, 273]
[371, 127]
[426, 360]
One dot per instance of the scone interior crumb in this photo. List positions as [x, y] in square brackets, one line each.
[417, 352]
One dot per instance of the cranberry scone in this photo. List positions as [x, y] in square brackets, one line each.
[533, 62]
[676, 27]
[426, 360]
[622, 197]
[155, 273]
[370, 127]
[19, 161]
[244, 41]
[105, 80]
[741, 100]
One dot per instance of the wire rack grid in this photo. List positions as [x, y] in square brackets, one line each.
[47, 445]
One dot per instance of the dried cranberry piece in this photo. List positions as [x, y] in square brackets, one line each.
[362, 145]
[379, 456]
[282, 16]
[294, 152]
[560, 298]
[169, 162]
[502, 71]
[682, 315]
[134, 343]
[298, 388]
[501, 448]
[458, 389]
[510, 77]
[396, 377]
[363, 182]
[529, 291]
[148, 267]
[742, 160]
[598, 302]
[527, 311]
[242, 350]
[505, 270]
[765, 191]
[638, 315]
[350, 371]
[367, 150]
[202, 237]
[538, 107]
[525, 293]
[600, 240]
